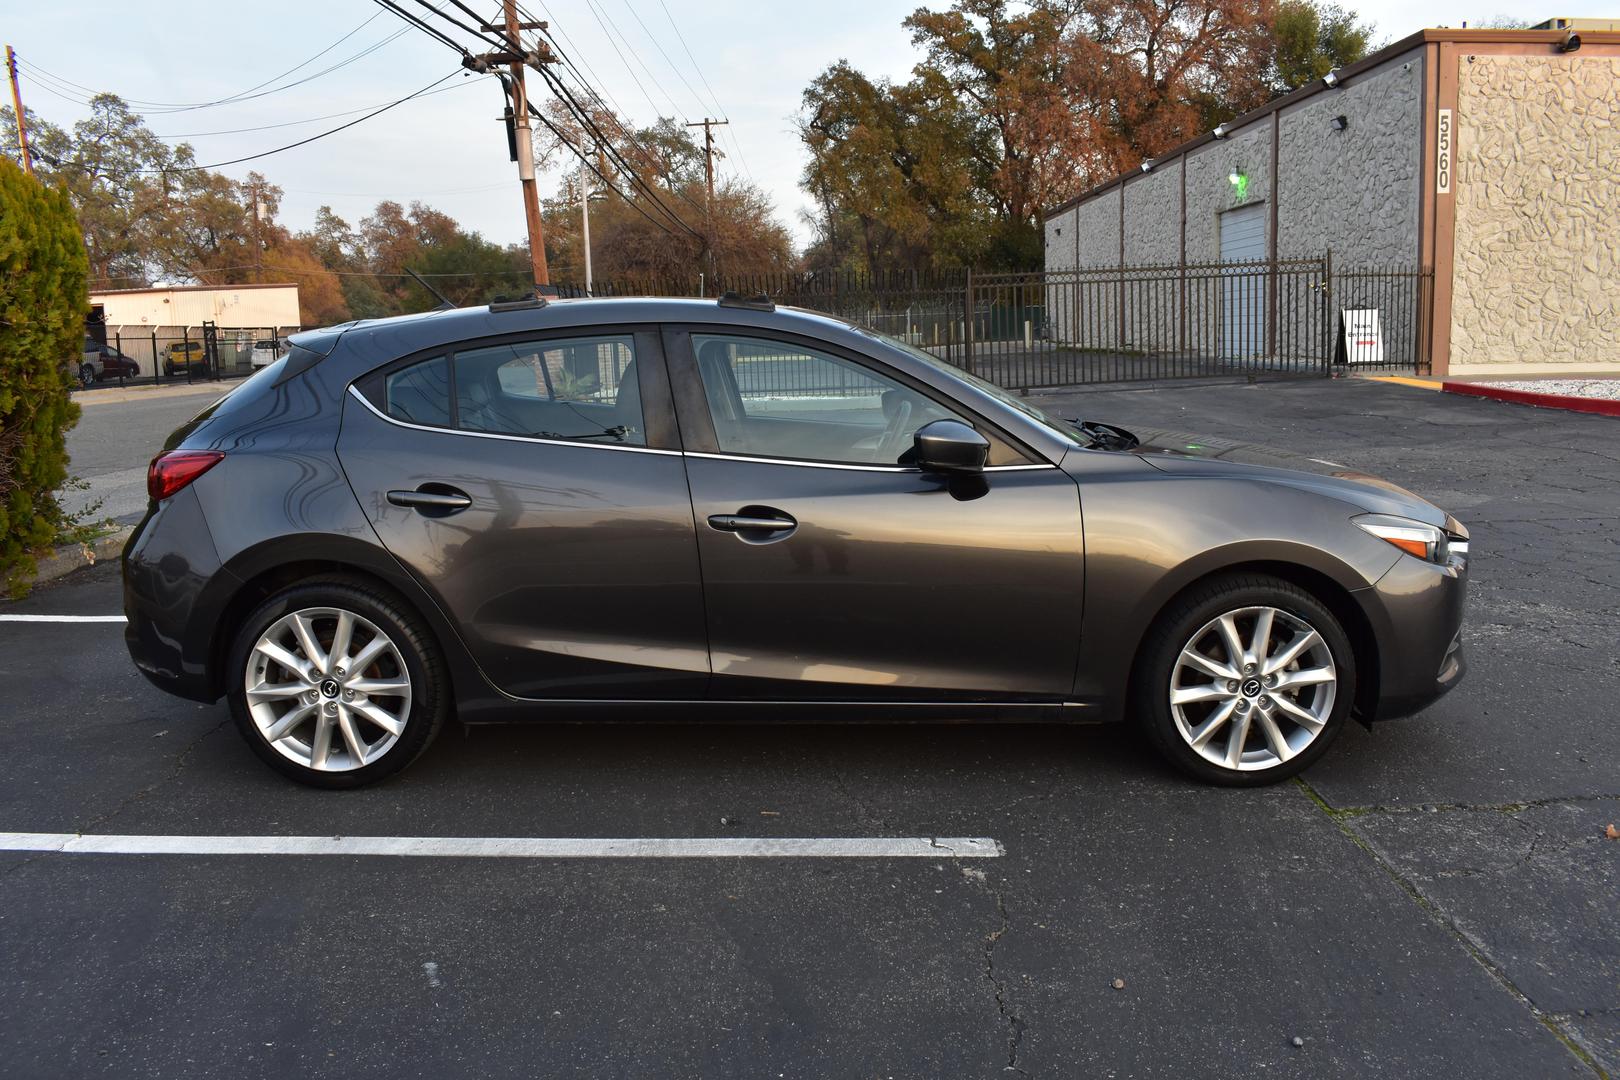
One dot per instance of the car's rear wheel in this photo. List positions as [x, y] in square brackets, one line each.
[335, 684]
[87, 374]
[1245, 680]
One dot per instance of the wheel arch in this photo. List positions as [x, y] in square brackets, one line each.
[259, 572]
[1330, 591]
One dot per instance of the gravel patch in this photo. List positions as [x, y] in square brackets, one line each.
[1587, 388]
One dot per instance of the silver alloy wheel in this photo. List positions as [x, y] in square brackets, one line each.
[1253, 688]
[328, 689]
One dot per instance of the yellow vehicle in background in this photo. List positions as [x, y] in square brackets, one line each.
[181, 356]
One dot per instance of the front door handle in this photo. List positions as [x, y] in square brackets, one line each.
[753, 519]
[439, 499]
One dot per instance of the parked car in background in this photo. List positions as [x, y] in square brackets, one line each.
[181, 356]
[104, 362]
[593, 509]
[267, 352]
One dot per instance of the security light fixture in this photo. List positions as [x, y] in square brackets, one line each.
[1571, 42]
[1220, 131]
[1240, 184]
[1340, 123]
[1147, 166]
[1331, 78]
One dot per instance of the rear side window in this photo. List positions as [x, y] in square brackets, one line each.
[419, 394]
[579, 389]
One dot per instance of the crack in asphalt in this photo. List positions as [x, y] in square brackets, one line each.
[173, 774]
[1009, 1014]
[1473, 946]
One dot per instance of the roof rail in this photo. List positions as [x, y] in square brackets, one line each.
[521, 303]
[761, 302]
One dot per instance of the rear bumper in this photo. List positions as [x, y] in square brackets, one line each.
[166, 573]
[1416, 610]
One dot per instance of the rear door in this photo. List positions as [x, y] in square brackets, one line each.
[536, 486]
[834, 571]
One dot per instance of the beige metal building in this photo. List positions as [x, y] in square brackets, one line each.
[173, 307]
[1491, 158]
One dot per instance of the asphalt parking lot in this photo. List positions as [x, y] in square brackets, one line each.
[1437, 898]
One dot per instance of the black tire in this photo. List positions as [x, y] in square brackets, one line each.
[1209, 600]
[87, 375]
[430, 682]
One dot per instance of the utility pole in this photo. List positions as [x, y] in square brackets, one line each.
[585, 220]
[16, 101]
[708, 173]
[515, 57]
[258, 240]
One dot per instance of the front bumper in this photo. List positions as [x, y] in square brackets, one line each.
[1416, 612]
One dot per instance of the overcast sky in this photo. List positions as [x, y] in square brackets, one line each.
[447, 149]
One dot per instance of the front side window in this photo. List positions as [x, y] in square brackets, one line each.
[779, 399]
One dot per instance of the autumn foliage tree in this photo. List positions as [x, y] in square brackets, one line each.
[1017, 106]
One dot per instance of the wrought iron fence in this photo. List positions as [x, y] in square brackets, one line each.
[148, 355]
[1119, 324]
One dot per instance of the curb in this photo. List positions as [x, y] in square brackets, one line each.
[70, 557]
[1567, 402]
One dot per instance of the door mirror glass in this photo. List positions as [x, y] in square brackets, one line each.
[950, 446]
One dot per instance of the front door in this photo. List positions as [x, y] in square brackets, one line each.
[832, 571]
[536, 487]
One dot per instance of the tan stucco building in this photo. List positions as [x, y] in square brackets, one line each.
[1490, 157]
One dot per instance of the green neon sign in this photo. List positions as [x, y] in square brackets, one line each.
[1240, 184]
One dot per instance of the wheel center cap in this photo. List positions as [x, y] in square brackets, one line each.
[330, 688]
[1251, 688]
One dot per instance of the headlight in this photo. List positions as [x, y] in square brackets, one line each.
[1416, 538]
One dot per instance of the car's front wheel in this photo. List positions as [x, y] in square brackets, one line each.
[87, 375]
[335, 684]
[1245, 680]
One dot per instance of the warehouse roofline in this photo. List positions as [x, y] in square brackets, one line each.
[195, 288]
[1349, 71]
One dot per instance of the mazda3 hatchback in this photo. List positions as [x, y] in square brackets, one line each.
[645, 509]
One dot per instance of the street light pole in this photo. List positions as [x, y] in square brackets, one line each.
[585, 221]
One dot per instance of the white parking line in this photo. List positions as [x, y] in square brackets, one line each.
[62, 618]
[517, 847]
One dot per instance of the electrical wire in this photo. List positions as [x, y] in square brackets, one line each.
[295, 123]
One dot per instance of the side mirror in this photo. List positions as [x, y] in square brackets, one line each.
[949, 446]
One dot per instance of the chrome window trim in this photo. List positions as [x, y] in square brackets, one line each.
[355, 390]
[358, 396]
[841, 465]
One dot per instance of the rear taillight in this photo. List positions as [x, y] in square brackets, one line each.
[172, 470]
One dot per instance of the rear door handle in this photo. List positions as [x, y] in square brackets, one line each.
[444, 500]
[758, 521]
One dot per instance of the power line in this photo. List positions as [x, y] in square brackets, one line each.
[713, 97]
[295, 123]
[159, 107]
[312, 138]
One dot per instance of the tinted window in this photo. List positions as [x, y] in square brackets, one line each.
[577, 388]
[778, 399]
[420, 393]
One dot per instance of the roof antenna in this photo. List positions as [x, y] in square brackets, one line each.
[444, 302]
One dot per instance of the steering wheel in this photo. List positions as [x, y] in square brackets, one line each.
[889, 448]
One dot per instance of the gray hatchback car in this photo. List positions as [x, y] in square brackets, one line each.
[647, 509]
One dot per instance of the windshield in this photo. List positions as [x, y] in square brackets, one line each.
[1057, 425]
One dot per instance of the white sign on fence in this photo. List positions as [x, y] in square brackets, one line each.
[1363, 336]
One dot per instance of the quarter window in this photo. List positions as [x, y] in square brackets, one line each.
[419, 394]
[778, 399]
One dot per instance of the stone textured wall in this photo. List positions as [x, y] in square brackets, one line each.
[1098, 222]
[1061, 248]
[1210, 190]
[1354, 192]
[1537, 194]
[1153, 217]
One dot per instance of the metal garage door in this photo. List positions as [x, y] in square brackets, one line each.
[1243, 306]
